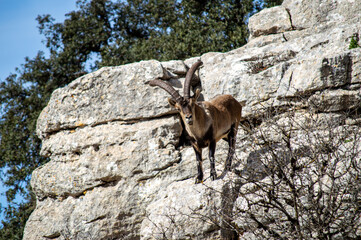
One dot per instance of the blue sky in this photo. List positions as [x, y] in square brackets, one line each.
[20, 37]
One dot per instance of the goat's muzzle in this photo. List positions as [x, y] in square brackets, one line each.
[189, 119]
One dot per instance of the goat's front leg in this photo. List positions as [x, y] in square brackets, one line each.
[232, 144]
[198, 152]
[212, 149]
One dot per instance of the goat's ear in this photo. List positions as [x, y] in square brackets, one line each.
[197, 94]
[172, 102]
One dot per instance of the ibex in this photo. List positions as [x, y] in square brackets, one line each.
[205, 122]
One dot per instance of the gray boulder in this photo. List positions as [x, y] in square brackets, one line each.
[117, 166]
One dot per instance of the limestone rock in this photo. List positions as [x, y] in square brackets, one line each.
[176, 203]
[106, 95]
[118, 165]
[270, 21]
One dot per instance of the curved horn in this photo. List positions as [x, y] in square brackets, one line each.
[187, 81]
[167, 87]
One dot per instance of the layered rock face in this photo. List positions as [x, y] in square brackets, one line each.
[118, 168]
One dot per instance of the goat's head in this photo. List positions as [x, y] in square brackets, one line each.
[185, 105]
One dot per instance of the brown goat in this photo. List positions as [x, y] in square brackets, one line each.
[205, 122]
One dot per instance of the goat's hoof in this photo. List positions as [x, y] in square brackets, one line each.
[213, 177]
[198, 181]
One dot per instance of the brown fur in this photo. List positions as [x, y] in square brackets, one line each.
[206, 122]
[220, 113]
[212, 120]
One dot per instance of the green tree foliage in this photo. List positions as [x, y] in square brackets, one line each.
[177, 29]
[101, 33]
[272, 3]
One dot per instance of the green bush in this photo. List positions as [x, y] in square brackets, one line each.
[353, 43]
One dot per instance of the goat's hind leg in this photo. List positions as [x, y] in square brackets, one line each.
[232, 144]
